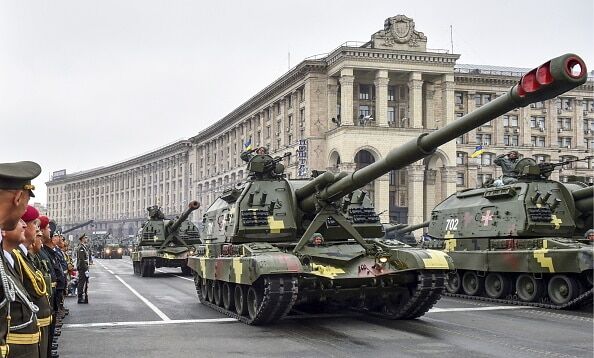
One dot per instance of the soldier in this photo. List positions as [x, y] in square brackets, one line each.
[58, 281]
[33, 278]
[247, 155]
[507, 162]
[23, 336]
[82, 265]
[15, 191]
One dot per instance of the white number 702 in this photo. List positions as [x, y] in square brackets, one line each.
[452, 224]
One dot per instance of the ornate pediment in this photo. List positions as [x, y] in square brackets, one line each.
[399, 33]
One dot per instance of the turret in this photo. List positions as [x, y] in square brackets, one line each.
[547, 81]
[174, 225]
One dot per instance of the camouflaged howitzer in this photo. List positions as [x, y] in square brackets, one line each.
[273, 242]
[516, 242]
[165, 243]
[402, 232]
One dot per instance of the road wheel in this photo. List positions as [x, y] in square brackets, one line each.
[216, 291]
[528, 288]
[472, 284]
[228, 299]
[497, 285]
[186, 270]
[210, 291]
[562, 289]
[143, 268]
[254, 299]
[200, 288]
[453, 282]
[240, 299]
[135, 267]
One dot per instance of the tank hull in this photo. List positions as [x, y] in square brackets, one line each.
[404, 287]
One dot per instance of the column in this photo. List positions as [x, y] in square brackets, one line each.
[449, 179]
[415, 106]
[346, 96]
[447, 99]
[382, 197]
[431, 121]
[578, 125]
[415, 175]
[381, 97]
[332, 101]
[429, 192]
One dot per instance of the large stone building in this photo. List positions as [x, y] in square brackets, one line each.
[340, 112]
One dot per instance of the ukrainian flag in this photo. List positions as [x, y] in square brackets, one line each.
[478, 151]
[248, 144]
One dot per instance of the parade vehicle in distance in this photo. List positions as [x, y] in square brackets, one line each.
[515, 243]
[165, 243]
[272, 242]
[112, 251]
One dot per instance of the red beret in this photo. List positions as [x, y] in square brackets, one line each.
[43, 221]
[30, 214]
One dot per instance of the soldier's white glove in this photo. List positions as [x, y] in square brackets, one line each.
[87, 274]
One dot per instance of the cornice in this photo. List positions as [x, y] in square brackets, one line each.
[141, 160]
[264, 96]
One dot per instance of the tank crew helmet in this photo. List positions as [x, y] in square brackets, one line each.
[18, 176]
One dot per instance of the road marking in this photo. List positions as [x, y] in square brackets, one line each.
[172, 274]
[467, 309]
[147, 302]
[149, 323]
[142, 298]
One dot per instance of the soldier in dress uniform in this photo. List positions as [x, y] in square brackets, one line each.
[15, 191]
[33, 278]
[82, 265]
[58, 281]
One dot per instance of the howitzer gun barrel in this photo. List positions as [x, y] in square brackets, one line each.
[193, 205]
[549, 80]
[584, 199]
[410, 228]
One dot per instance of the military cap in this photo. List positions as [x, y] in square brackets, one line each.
[82, 236]
[43, 221]
[30, 214]
[19, 175]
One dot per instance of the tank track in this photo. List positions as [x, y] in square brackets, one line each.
[583, 299]
[277, 301]
[428, 290]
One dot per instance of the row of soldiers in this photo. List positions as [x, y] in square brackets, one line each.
[33, 269]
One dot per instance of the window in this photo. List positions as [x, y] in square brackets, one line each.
[290, 101]
[564, 142]
[484, 139]
[460, 140]
[267, 132]
[510, 120]
[460, 158]
[460, 179]
[482, 98]
[365, 92]
[391, 115]
[391, 93]
[486, 159]
[564, 123]
[566, 104]
[512, 140]
[459, 99]
[539, 105]
[364, 111]
[290, 122]
[537, 141]
[537, 122]
[540, 158]
[483, 178]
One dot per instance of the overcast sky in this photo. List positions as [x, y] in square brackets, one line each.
[89, 83]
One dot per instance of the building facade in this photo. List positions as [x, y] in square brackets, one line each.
[340, 112]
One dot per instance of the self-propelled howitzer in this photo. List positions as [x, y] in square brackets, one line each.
[165, 243]
[272, 242]
[518, 241]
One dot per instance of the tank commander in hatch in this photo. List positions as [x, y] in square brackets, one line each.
[247, 155]
[507, 162]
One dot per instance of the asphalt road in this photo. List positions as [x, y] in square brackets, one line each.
[130, 316]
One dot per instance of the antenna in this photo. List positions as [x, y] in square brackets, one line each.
[451, 39]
